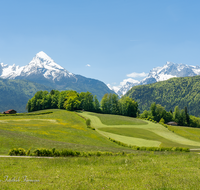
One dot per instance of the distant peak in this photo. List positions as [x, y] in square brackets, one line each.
[43, 55]
[169, 63]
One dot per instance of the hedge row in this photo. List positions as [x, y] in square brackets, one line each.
[58, 153]
[181, 149]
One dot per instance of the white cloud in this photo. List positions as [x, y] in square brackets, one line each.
[136, 75]
[88, 65]
[128, 80]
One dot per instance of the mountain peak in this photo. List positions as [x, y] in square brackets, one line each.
[43, 56]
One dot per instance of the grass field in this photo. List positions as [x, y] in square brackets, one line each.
[188, 132]
[139, 171]
[60, 129]
[109, 119]
[143, 133]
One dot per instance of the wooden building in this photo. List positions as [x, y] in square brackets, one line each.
[10, 112]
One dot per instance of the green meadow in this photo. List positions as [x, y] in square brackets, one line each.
[62, 129]
[166, 170]
[138, 132]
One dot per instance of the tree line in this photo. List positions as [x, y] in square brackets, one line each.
[109, 104]
[181, 117]
[72, 100]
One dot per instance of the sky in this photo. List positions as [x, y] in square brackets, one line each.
[108, 40]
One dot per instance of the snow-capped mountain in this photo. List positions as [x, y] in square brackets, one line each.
[41, 65]
[43, 70]
[124, 86]
[169, 70]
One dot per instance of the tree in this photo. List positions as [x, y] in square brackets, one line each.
[153, 110]
[159, 112]
[187, 117]
[145, 114]
[176, 114]
[72, 101]
[115, 104]
[96, 105]
[129, 107]
[162, 121]
[104, 104]
[61, 99]
[88, 102]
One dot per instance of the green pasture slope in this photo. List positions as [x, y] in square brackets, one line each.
[59, 129]
[63, 129]
[138, 132]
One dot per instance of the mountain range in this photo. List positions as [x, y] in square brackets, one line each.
[169, 70]
[43, 70]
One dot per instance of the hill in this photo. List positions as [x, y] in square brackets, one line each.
[51, 128]
[184, 91]
[14, 94]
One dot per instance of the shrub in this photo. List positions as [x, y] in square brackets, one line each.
[43, 152]
[88, 122]
[28, 152]
[162, 121]
[17, 152]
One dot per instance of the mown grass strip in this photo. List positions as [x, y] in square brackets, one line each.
[109, 119]
[142, 133]
[180, 149]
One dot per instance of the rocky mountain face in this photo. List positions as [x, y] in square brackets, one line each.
[169, 70]
[43, 70]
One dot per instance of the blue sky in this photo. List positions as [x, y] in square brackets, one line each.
[101, 39]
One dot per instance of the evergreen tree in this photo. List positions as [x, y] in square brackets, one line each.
[187, 117]
[153, 110]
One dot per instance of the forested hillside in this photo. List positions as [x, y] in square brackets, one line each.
[182, 92]
[14, 94]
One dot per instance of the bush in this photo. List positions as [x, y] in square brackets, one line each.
[88, 122]
[28, 152]
[43, 152]
[162, 121]
[17, 152]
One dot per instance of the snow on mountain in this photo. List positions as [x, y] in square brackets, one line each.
[41, 64]
[124, 86]
[9, 71]
[169, 70]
